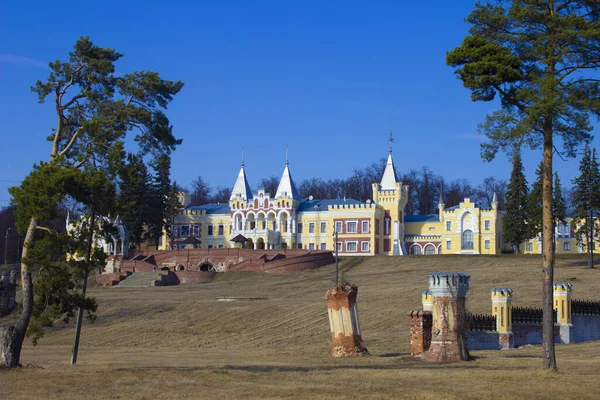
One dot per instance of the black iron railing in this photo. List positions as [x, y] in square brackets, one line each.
[583, 307]
[527, 315]
[477, 322]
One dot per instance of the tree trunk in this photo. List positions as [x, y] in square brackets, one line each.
[12, 337]
[548, 354]
[85, 279]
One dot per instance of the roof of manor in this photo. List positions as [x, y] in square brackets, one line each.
[214, 208]
[241, 187]
[422, 218]
[286, 185]
[322, 205]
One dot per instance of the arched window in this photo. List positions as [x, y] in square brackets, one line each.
[467, 240]
[429, 250]
[415, 249]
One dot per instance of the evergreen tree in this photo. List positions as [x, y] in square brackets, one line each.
[538, 57]
[559, 205]
[515, 219]
[134, 191]
[534, 204]
[95, 112]
[586, 200]
[171, 206]
[159, 206]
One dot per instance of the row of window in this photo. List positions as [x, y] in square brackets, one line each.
[487, 225]
[184, 246]
[350, 246]
[352, 226]
[311, 227]
[566, 246]
[280, 204]
[194, 230]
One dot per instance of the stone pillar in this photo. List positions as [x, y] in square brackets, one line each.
[420, 332]
[562, 305]
[502, 310]
[346, 339]
[427, 299]
[448, 335]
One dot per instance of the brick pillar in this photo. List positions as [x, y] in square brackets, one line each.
[420, 332]
[562, 305]
[448, 335]
[502, 310]
[346, 339]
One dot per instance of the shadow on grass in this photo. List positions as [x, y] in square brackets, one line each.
[406, 363]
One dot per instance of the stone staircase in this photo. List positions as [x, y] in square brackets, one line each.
[139, 280]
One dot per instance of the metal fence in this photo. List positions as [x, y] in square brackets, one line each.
[527, 315]
[583, 307]
[480, 322]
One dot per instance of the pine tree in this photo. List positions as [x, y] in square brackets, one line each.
[586, 201]
[534, 205]
[159, 207]
[538, 57]
[515, 219]
[559, 205]
[96, 111]
[134, 190]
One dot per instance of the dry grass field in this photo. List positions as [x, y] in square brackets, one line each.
[179, 343]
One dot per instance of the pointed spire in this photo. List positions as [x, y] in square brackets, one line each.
[241, 188]
[389, 178]
[495, 201]
[286, 184]
[441, 199]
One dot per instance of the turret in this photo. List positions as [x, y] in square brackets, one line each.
[502, 309]
[241, 188]
[441, 206]
[562, 302]
[286, 186]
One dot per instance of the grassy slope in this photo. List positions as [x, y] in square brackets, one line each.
[178, 342]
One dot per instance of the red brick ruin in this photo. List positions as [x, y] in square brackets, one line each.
[439, 335]
[346, 339]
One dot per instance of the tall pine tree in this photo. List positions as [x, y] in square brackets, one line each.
[539, 58]
[515, 219]
[159, 204]
[534, 204]
[586, 201]
[134, 192]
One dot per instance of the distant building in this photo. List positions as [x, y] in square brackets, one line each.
[379, 226]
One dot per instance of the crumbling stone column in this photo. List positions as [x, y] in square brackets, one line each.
[346, 339]
[448, 336]
[502, 310]
[420, 332]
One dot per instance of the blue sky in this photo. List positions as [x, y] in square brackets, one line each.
[326, 78]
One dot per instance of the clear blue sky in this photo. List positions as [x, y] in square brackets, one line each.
[327, 78]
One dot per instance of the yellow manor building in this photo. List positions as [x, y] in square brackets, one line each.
[379, 226]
